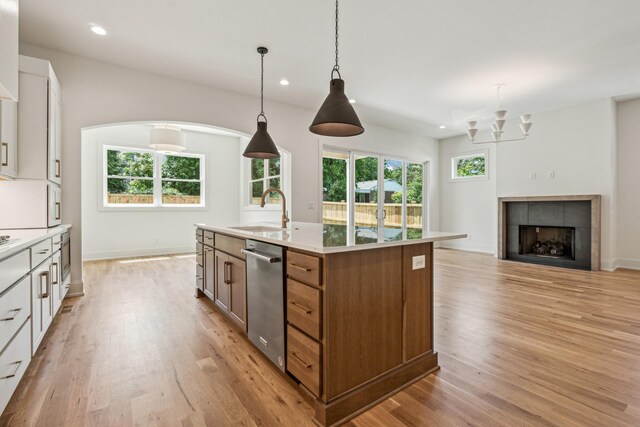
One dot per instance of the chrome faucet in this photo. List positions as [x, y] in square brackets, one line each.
[285, 217]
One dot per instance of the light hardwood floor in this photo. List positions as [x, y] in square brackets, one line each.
[518, 345]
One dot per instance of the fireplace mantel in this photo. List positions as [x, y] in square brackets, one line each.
[594, 199]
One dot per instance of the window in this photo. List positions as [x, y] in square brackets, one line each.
[371, 191]
[144, 178]
[265, 174]
[469, 166]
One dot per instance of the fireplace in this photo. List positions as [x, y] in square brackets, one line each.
[560, 231]
[544, 241]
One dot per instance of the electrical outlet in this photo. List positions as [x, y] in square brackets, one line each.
[532, 176]
[551, 175]
[419, 262]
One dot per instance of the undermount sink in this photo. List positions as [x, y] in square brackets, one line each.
[257, 228]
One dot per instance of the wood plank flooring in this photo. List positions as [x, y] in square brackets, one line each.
[519, 345]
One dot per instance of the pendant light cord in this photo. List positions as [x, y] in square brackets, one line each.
[262, 88]
[336, 68]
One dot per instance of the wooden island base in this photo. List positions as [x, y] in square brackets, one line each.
[359, 322]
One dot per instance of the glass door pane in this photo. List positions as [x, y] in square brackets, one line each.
[415, 192]
[393, 207]
[335, 166]
[366, 198]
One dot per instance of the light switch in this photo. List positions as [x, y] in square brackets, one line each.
[419, 262]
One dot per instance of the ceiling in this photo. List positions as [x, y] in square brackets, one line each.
[410, 65]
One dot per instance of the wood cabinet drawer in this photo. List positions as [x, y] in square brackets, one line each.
[304, 308]
[230, 245]
[13, 363]
[40, 252]
[13, 268]
[208, 238]
[303, 359]
[15, 307]
[199, 232]
[304, 268]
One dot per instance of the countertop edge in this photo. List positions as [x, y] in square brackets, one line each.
[328, 250]
[24, 244]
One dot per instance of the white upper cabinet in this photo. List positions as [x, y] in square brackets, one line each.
[8, 139]
[9, 49]
[39, 122]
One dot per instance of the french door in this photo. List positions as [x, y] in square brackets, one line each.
[382, 197]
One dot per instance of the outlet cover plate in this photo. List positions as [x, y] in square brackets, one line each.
[419, 262]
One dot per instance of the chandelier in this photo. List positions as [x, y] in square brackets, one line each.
[498, 124]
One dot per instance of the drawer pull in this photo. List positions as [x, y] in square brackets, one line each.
[5, 162]
[44, 294]
[6, 377]
[300, 307]
[302, 362]
[42, 252]
[15, 312]
[299, 268]
[58, 167]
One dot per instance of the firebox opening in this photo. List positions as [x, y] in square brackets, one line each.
[545, 241]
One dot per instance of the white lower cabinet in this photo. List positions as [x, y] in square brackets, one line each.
[15, 307]
[41, 307]
[14, 360]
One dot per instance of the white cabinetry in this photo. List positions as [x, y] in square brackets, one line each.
[39, 122]
[8, 139]
[9, 50]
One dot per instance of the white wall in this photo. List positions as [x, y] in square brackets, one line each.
[135, 232]
[629, 184]
[468, 206]
[576, 145]
[96, 93]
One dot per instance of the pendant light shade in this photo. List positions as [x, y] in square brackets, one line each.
[261, 145]
[336, 116]
[167, 139]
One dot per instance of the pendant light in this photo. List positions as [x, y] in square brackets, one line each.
[167, 139]
[336, 116]
[261, 145]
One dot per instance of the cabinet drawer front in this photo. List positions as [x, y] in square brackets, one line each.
[13, 268]
[40, 252]
[13, 363]
[230, 245]
[303, 359]
[304, 308]
[208, 238]
[14, 310]
[200, 254]
[304, 268]
[199, 232]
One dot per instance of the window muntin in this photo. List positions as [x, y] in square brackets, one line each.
[469, 166]
[144, 178]
[265, 174]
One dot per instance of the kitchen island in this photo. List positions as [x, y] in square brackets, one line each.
[358, 306]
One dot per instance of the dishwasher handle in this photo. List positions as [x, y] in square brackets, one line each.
[262, 257]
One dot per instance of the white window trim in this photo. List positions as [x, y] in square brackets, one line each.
[452, 165]
[157, 205]
[285, 183]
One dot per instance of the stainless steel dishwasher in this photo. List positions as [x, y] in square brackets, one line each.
[265, 299]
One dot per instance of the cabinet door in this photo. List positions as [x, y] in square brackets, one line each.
[54, 202]
[222, 293]
[238, 292]
[54, 145]
[56, 282]
[9, 139]
[209, 273]
[9, 50]
[41, 309]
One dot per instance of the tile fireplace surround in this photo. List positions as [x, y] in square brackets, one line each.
[580, 213]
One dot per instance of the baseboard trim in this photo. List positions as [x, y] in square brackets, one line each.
[629, 264]
[481, 252]
[99, 256]
[609, 265]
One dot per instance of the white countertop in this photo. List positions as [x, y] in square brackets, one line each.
[325, 239]
[23, 238]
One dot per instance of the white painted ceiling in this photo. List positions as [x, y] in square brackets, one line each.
[410, 64]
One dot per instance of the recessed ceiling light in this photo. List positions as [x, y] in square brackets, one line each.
[97, 29]
[443, 127]
[353, 101]
[284, 82]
